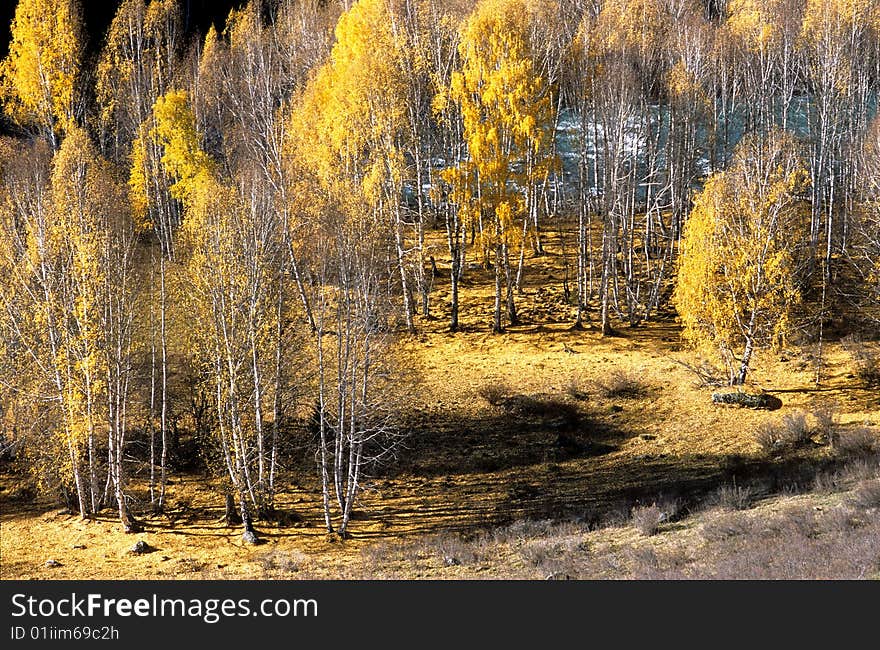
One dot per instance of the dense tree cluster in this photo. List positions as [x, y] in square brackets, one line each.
[223, 235]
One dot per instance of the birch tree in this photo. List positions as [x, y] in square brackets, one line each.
[230, 270]
[135, 68]
[506, 109]
[345, 147]
[68, 267]
[40, 76]
[740, 274]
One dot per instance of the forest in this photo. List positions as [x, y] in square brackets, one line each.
[214, 248]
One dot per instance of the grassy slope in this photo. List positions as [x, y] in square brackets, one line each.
[556, 445]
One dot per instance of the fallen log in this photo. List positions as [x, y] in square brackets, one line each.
[748, 400]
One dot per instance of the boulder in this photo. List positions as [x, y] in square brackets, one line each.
[748, 400]
[140, 548]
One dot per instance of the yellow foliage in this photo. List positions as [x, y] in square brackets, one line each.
[506, 111]
[348, 122]
[752, 22]
[133, 65]
[116, 66]
[634, 25]
[59, 264]
[183, 158]
[38, 78]
[829, 27]
[139, 177]
[737, 283]
[683, 86]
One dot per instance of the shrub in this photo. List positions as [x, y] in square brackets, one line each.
[794, 520]
[574, 390]
[494, 393]
[861, 468]
[647, 519]
[670, 509]
[866, 361]
[706, 373]
[622, 385]
[645, 560]
[859, 442]
[523, 529]
[454, 549]
[795, 430]
[867, 495]
[826, 482]
[826, 423]
[734, 497]
[791, 432]
[769, 438]
[541, 553]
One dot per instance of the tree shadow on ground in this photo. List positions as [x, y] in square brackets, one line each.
[593, 491]
[519, 431]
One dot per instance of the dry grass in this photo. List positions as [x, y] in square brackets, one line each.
[727, 526]
[647, 519]
[734, 497]
[867, 495]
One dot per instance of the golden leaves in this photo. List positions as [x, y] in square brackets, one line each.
[348, 124]
[175, 130]
[506, 110]
[737, 274]
[752, 22]
[39, 75]
[634, 25]
[829, 28]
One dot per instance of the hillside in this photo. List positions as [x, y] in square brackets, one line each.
[308, 288]
[524, 456]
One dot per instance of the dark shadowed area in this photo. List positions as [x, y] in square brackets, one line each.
[199, 15]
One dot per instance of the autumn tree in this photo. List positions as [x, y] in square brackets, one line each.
[32, 329]
[352, 122]
[421, 33]
[345, 150]
[89, 209]
[40, 76]
[506, 109]
[69, 307]
[864, 255]
[575, 89]
[619, 58]
[834, 39]
[135, 67]
[767, 60]
[246, 76]
[442, 61]
[690, 94]
[232, 258]
[740, 274]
